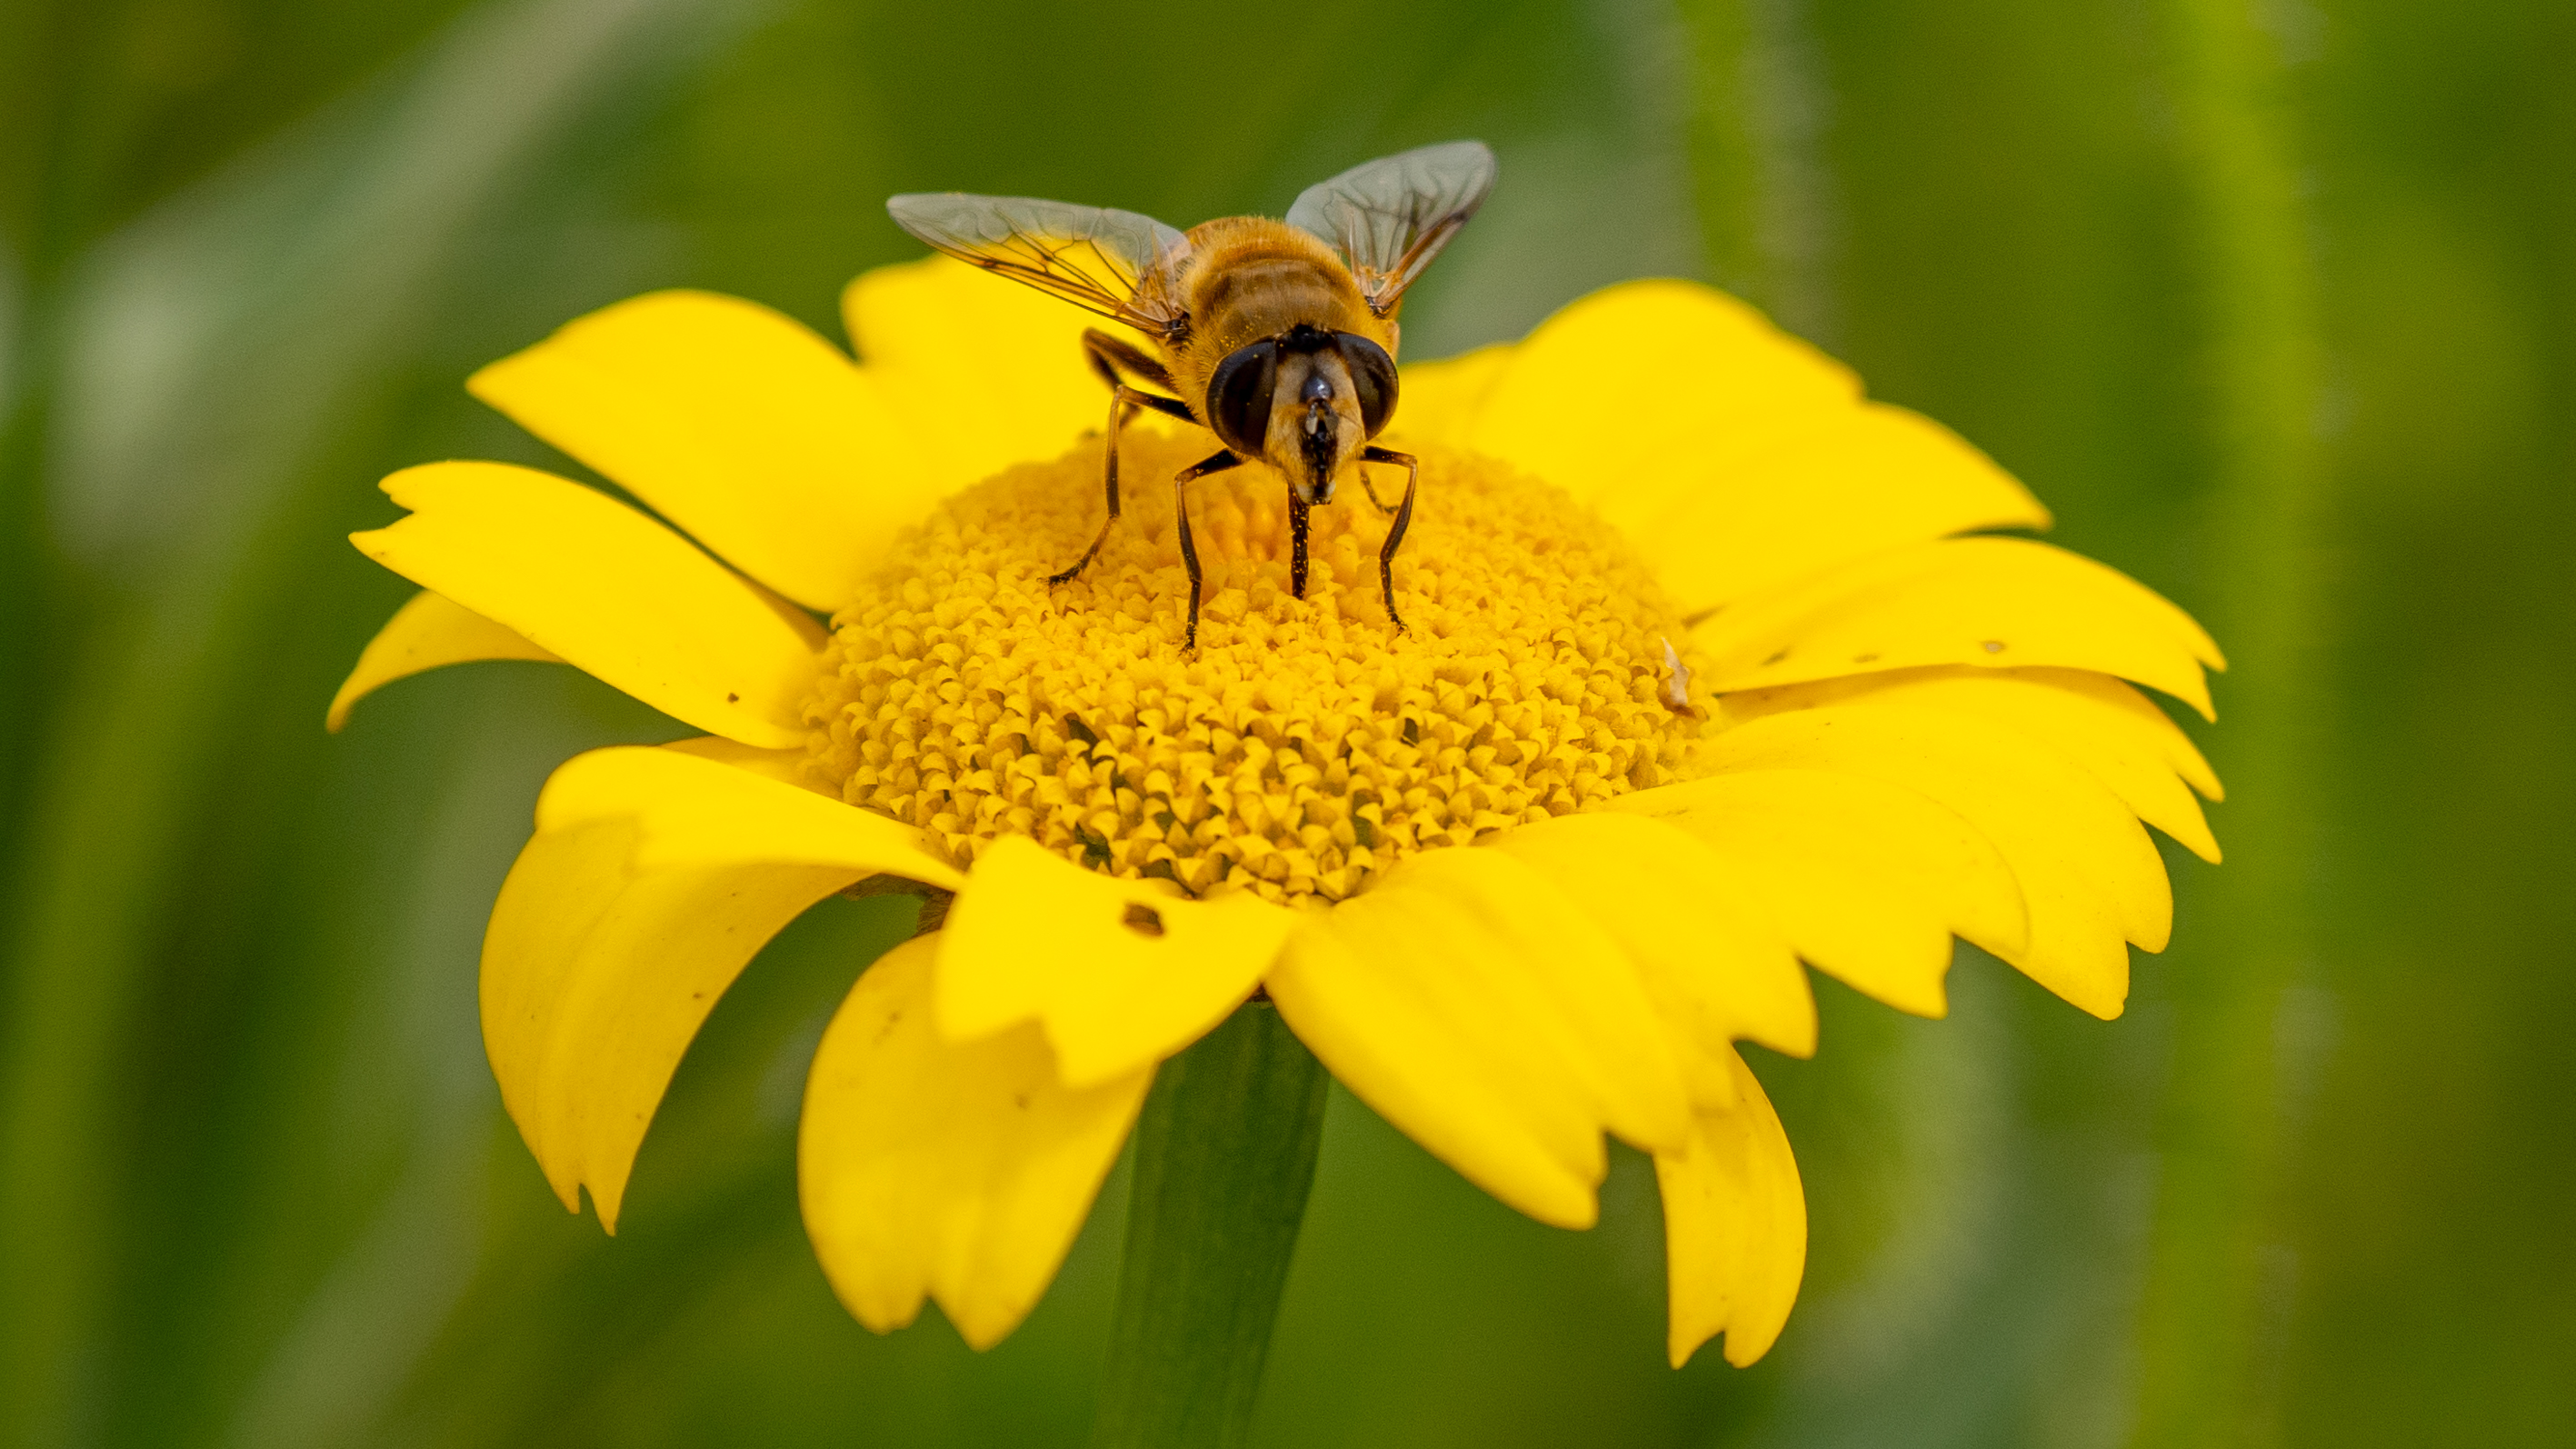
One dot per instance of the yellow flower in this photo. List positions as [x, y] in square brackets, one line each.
[1701, 680]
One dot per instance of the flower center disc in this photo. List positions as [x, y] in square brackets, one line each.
[1306, 745]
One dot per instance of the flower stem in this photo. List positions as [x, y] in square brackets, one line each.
[1764, 193]
[2221, 1277]
[1225, 1154]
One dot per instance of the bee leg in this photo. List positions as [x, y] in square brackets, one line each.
[1371, 489]
[1116, 360]
[1298, 508]
[1122, 405]
[1395, 531]
[1216, 462]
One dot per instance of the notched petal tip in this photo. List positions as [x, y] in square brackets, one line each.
[2091, 880]
[654, 876]
[957, 1173]
[595, 976]
[1714, 964]
[1467, 1001]
[1986, 601]
[607, 589]
[1868, 880]
[1735, 1229]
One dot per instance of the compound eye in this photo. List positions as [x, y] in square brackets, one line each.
[1372, 377]
[1238, 397]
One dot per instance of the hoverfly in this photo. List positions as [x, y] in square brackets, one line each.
[1278, 337]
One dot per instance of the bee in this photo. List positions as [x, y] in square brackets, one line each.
[1277, 336]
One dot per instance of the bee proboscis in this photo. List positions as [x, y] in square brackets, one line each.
[1277, 336]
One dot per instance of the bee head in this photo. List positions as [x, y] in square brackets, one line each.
[1304, 401]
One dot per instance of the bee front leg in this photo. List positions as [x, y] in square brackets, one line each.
[1395, 531]
[1298, 508]
[1116, 360]
[1123, 403]
[1371, 489]
[1216, 462]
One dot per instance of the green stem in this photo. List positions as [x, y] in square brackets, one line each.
[1757, 174]
[1225, 1153]
[2216, 1275]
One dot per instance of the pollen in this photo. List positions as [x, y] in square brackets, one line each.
[1306, 745]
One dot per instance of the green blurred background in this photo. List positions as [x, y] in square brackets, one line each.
[2273, 300]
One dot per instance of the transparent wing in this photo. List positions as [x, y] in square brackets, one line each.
[1391, 216]
[1092, 256]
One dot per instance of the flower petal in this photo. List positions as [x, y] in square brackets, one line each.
[654, 876]
[1869, 880]
[1735, 1228]
[1735, 456]
[735, 422]
[1863, 479]
[608, 590]
[1118, 973]
[1624, 397]
[1437, 402]
[427, 633]
[596, 977]
[988, 372]
[1716, 967]
[1482, 1099]
[1988, 602]
[2109, 728]
[2089, 875]
[960, 1172]
[694, 810]
[1476, 1008]
[787, 767]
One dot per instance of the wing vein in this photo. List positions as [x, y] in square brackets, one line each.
[1391, 216]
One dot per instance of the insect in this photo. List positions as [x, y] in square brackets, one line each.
[1277, 336]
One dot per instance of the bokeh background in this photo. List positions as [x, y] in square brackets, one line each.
[2273, 300]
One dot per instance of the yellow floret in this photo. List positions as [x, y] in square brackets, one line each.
[1306, 745]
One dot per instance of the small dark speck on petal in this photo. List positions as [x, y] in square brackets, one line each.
[1143, 920]
[1994, 646]
[1776, 658]
[1021, 1100]
[1864, 659]
[733, 699]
